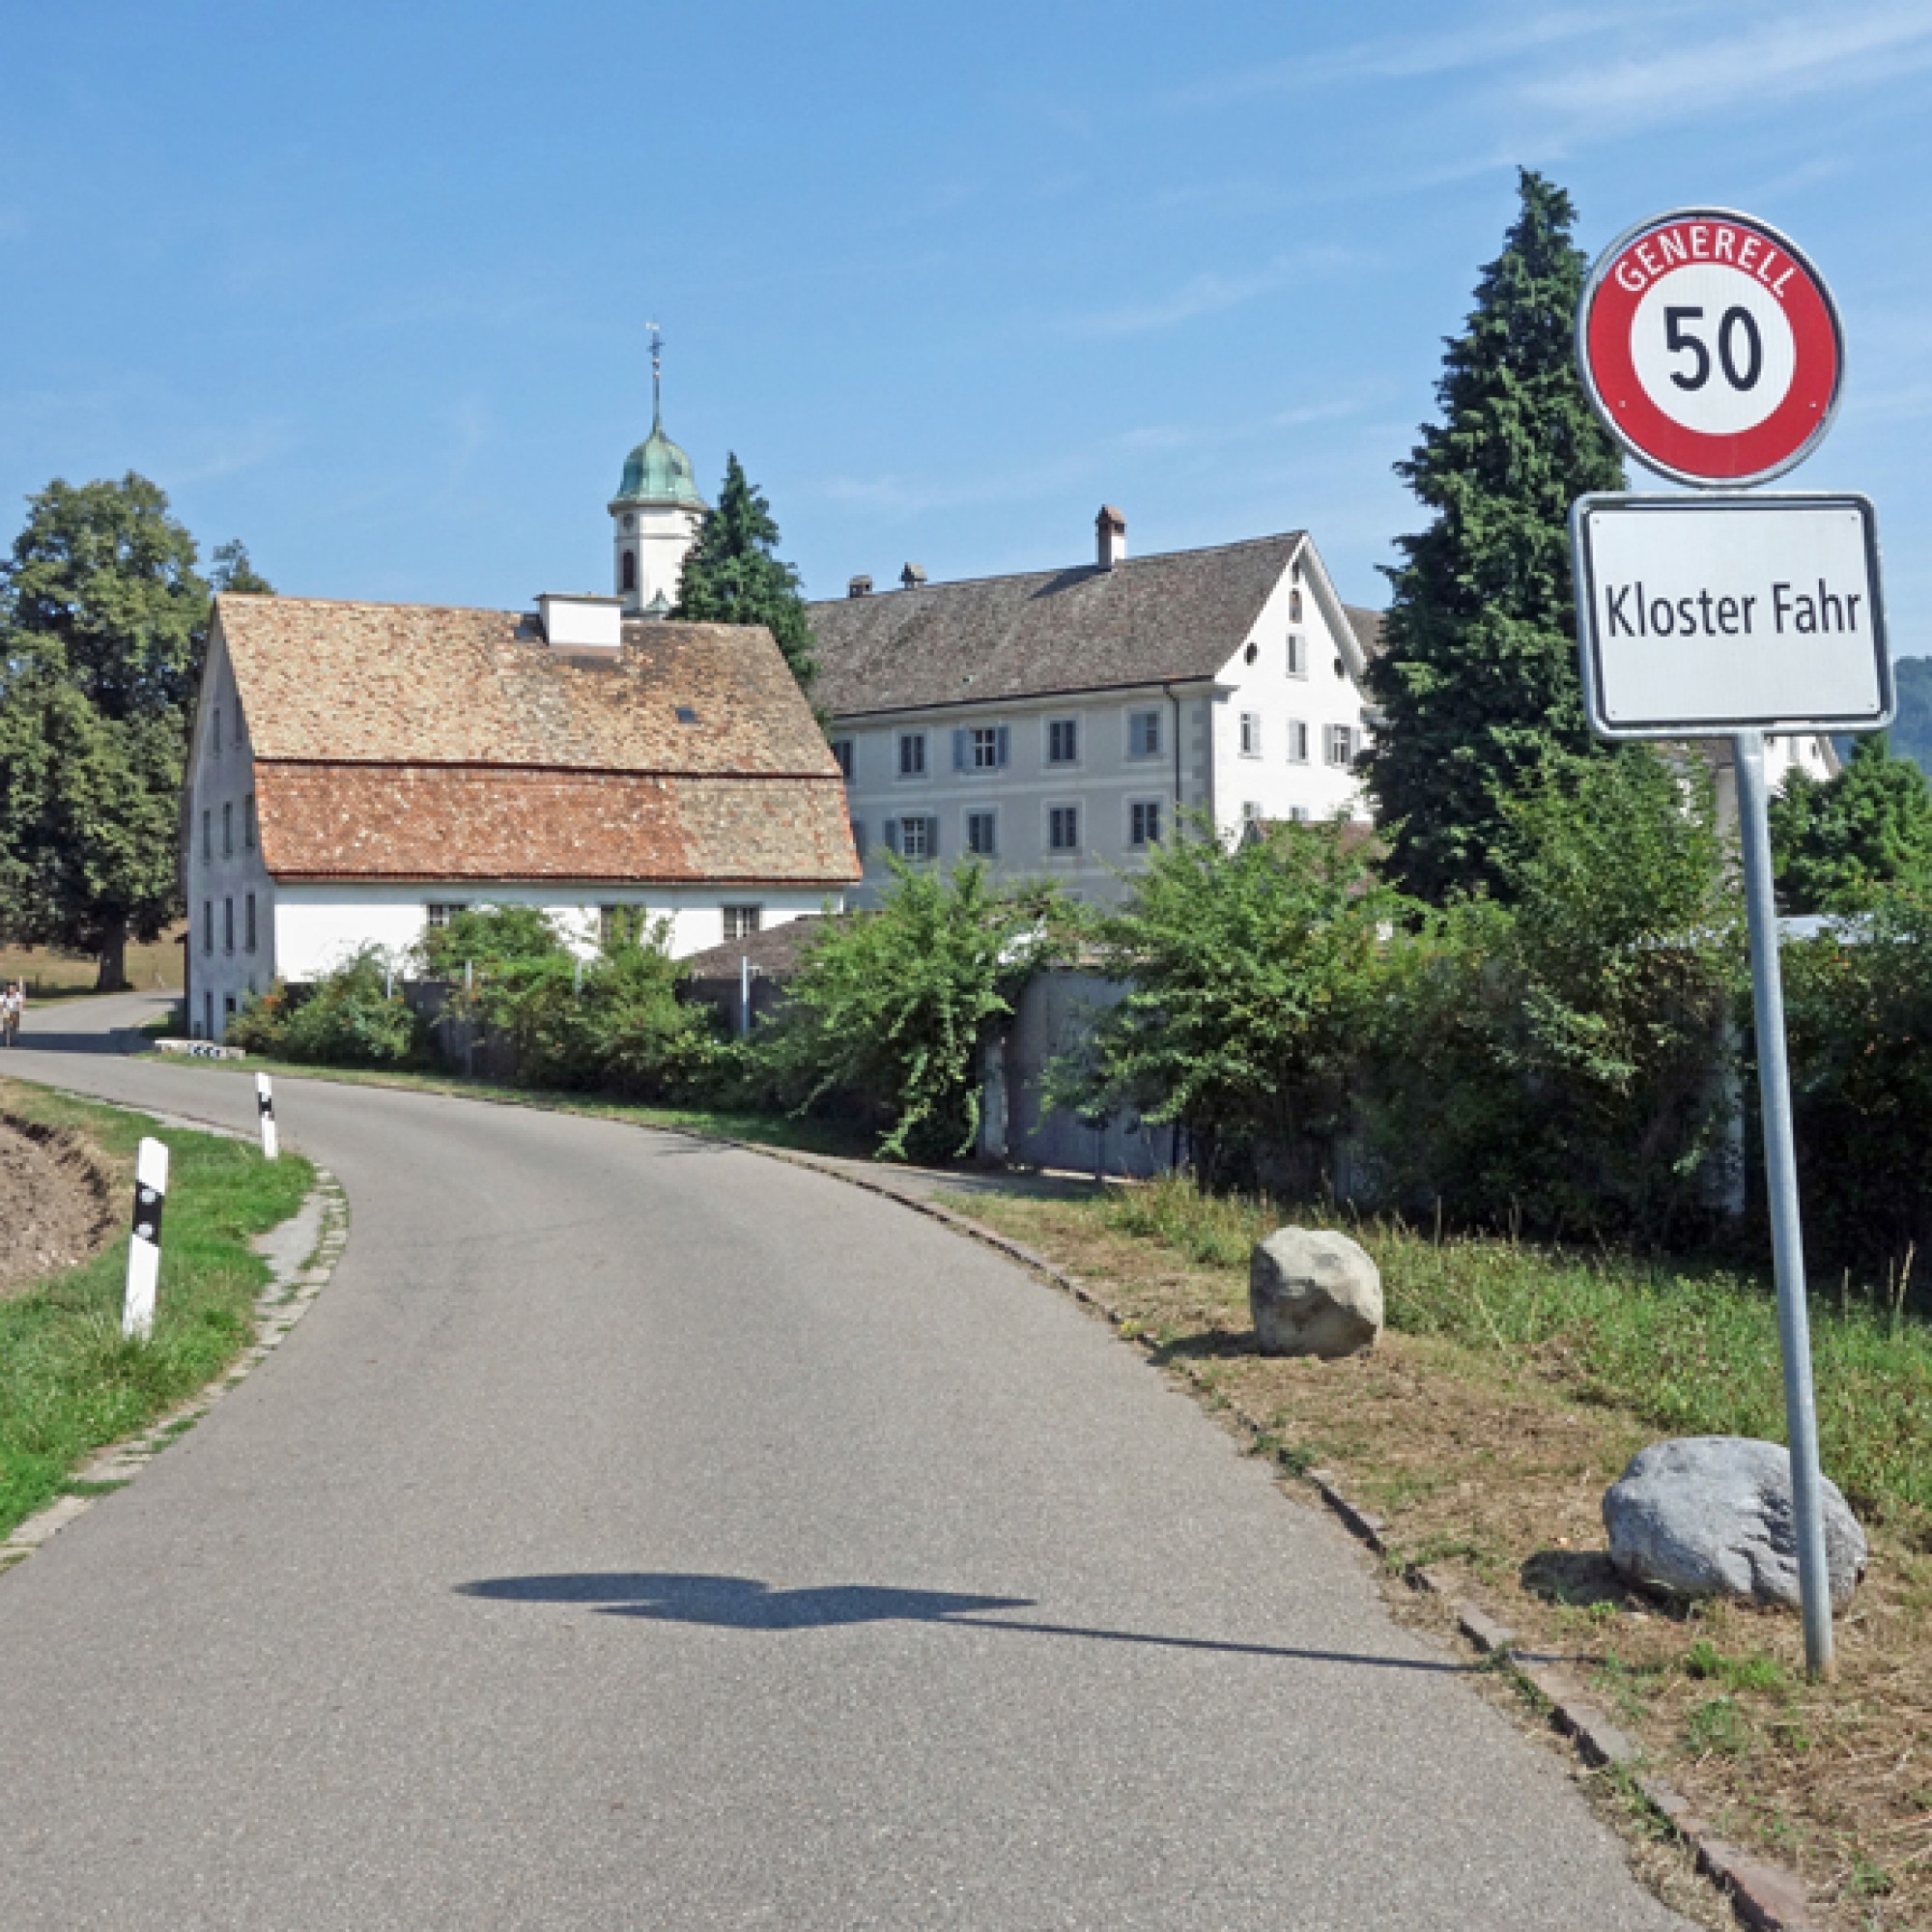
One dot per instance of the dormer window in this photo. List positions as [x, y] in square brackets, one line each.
[1294, 607]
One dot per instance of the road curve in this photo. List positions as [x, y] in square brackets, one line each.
[643, 1534]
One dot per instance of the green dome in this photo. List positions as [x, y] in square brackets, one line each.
[658, 472]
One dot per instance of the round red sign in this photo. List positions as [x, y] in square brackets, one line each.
[1709, 346]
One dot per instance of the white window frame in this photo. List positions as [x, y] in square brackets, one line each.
[1251, 734]
[984, 743]
[1251, 812]
[1070, 851]
[1136, 718]
[922, 768]
[1338, 745]
[989, 816]
[1158, 807]
[925, 822]
[1297, 741]
[1070, 725]
[437, 913]
[1297, 655]
[743, 919]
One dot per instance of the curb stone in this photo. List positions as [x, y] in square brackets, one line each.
[287, 1297]
[1765, 1898]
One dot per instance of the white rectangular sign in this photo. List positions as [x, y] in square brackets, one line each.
[1697, 617]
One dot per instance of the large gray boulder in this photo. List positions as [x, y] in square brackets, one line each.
[1314, 1292]
[1710, 1516]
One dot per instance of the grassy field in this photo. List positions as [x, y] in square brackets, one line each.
[1510, 1389]
[69, 1382]
[61, 976]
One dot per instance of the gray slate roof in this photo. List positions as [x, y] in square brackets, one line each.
[1148, 619]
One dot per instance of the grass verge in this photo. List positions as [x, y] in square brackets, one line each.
[69, 1383]
[64, 976]
[1512, 1387]
[779, 1130]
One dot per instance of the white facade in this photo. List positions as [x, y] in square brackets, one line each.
[1261, 739]
[649, 542]
[230, 895]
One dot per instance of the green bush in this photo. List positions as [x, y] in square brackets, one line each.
[1858, 1014]
[886, 1016]
[350, 1019]
[489, 937]
[1252, 975]
[1557, 1062]
[262, 1024]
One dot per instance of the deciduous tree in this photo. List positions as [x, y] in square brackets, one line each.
[1836, 841]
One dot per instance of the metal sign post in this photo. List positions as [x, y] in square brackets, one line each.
[1711, 350]
[1780, 1175]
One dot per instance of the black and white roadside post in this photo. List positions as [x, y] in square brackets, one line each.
[144, 1245]
[264, 1106]
[1712, 350]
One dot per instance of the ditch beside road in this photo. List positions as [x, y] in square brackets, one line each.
[648, 1532]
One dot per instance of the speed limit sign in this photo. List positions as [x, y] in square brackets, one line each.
[1709, 346]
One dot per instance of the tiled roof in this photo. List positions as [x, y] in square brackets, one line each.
[320, 820]
[429, 684]
[775, 953]
[1367, 626]
[422, 742]
[1147, 619]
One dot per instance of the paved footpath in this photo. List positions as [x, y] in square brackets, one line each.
[643, 1534]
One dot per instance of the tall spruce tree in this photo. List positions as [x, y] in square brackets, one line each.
[1479, 685]
[731, 576]
[103, 627]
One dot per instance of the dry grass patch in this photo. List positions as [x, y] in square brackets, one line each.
[64, 976]
[1484, 1443]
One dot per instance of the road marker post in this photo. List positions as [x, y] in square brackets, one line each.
[144, 1243]
[1713, 352]
[264, 1106]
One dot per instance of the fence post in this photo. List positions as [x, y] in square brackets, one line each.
[144, 1245]
[265, 1105]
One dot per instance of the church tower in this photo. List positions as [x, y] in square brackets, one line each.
[656, 513]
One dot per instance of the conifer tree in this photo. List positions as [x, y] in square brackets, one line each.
[1479, 685]
[731, 576]
[1837, 841]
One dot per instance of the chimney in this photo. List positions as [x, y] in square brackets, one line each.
[585, 623]
[1110, 530]
[859, 586]
[912, 576]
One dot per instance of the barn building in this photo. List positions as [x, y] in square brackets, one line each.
[360, 770]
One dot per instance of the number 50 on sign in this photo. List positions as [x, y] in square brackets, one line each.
[1710, 347]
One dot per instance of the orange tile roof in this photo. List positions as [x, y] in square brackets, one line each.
[322, 820]
[430, 684]
[423, 742]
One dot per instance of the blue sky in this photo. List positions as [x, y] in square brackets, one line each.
[367, 285]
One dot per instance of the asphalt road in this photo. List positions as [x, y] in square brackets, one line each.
[640, 1534]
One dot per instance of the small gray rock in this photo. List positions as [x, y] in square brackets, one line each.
[1314, 1292]
[1710, 1516]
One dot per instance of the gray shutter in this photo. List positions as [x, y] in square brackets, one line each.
[959, 749]
[932, 835]
[889, 831]
[1006, 744]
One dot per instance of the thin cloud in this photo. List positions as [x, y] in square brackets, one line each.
[1400, 57]
[1761, 65]
[1208, 294]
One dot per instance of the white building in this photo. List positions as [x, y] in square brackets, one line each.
[358, 771]
[1057, 721]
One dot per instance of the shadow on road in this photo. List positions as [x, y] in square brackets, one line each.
[742, 1603]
